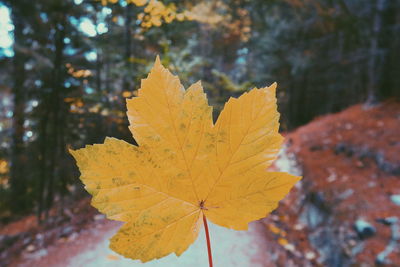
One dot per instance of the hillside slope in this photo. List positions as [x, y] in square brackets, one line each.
[347, 208]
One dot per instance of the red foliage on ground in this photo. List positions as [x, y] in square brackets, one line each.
[351, 167]
[23, 225]
[26, 236]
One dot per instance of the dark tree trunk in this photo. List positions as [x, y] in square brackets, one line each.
[18, 160]
[391, 41]
[375, 54]
[98, 54]
[128, 48]
[57, 103]
[43, 163]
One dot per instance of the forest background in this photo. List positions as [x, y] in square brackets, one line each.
[66, 67]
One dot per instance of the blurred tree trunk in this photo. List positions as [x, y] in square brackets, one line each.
[391, 41]
[98, 71]
[128, 48]
[43, 161]
[98, 52]
[375, 53]
[18, 178]
[56, 106]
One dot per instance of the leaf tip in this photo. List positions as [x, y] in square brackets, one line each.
[198, 83]
[158, 61]
[71, 151]
[273, 86]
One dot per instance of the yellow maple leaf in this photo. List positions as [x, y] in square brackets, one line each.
[185, 166]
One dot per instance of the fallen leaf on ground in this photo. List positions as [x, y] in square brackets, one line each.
[112, 257]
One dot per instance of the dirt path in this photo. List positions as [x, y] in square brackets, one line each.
[90, 247]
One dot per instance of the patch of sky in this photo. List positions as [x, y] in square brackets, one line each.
[120, 21]
[28, 108]
[34, 103]
[70, 50]
[87, 27]
[5, 145]
[74, 21]
[123, 3]
[9, 114]
[28, 66]
[6, 32]
[102, 28]
[242, 55]
[28, 136]
[106, 11]
[67, 84]
[89, 9]
[6, 52]
[78, 2]
[91, 56]
[5, 101]
[240, 60]
[44, 17]
[28, 29]
[38, 83]
[89, 90]
[71, 82]
[243, 51]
